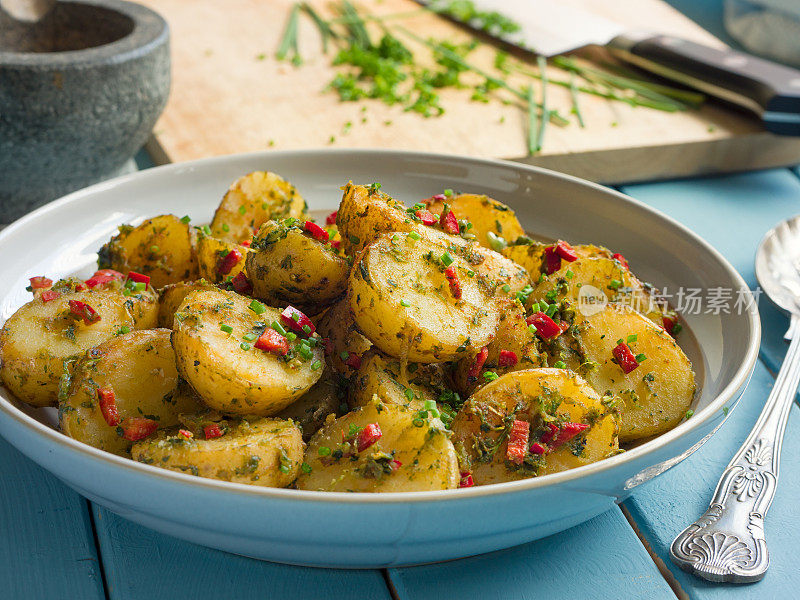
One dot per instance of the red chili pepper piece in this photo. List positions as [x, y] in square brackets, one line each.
[297, 321]
[466, 480]
[438, 197]
[426, 216]
[552, 261]
[103, 276]
[138, 277]
[185, 433]
[83, 311]
[241, 283]
[331, 218]
[227, 262]
[518, 441]
[317, 232]
[455, 284]
[246, 243]
[618, 257]
[478, 364]
[368, 436]
[625, 358]
[546, 328]
[353, 360]
[80, 287]
[138, 428]
[508, 358]
[537, 448]
[49, 295]
[212, 431]
[272, 341]
[108, 406]
[449, 223]
[557, 436]
[669, 323]
[565, 251]
[336, 244]
[40, 282]
[328, 345]
[395, 464]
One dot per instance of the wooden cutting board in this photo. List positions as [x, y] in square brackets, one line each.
[230, 95]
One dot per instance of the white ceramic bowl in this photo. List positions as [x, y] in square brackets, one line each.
[375, 530]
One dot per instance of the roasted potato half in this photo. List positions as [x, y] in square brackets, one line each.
[310, 411]
[379, 448]
[264, 452]
[487, 216]
[117, 385]
[344, 343]
[161, 247]
[170, 298]
[657, 393]
[288, 264]
[385, 377]
[531, 423]
[253, 200]
[582, 282]
[414, 299]
[513, 349]
[37, 338]
[219, 260]
[217, 336]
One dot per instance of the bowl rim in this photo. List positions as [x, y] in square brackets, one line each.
[150, 30]
[739, 379]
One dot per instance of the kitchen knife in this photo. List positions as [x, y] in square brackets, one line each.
[549, 28]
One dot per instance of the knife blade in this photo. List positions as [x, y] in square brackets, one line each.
[549, 27]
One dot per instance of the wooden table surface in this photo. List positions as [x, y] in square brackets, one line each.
[54, 544]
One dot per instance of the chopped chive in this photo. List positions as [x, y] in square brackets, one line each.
[414, 235]
[225, 227]
[490, 376]
[689, 413]
[641, 357]
[323, 451]
[569, 274]
[632, 338]
[506, 288]
[315, 365]
[614, 284]
[409, 393]
[344, 355]
[244, 346]
[206, 229]
[430, 404]
[560, 364]
[291, 336]
[307, 329]
[278, 327]
[242, 210]
[404, 303]
[418, 422]
[257, 307]
[306, 468]
[447, 260]
[123, 330]
[185, 219]
[573, 92]
[226, 328]
[250, 337]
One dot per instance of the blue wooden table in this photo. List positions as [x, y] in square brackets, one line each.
[55, 544]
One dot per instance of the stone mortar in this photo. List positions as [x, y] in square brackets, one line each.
[80, 92]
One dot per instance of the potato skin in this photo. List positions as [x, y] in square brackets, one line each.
[210, 252]
[251, 451]
[312, 408]
[533, 395]
[161, 247]
[228, 377]
[655, 395]
[339, 328]
[383, 376]
[37, 338]
[252, 200]
[428, 460]
[486, 215]
[396, 270]
[288, 265]
[139, 367]
[513, 335]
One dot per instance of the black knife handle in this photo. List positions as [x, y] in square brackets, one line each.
[770, 90]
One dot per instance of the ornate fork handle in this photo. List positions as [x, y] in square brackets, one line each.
[727, 543]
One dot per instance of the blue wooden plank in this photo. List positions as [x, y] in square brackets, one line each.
[140, 563]
[675, 499]
[733, 213]
[48, 550]
[601, 558]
